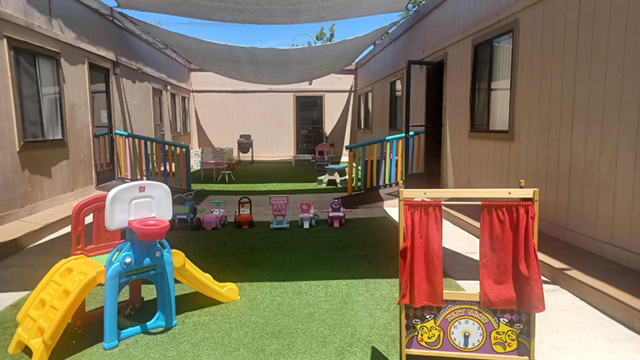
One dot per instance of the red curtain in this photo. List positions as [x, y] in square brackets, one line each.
[509, 268]
[421, 255]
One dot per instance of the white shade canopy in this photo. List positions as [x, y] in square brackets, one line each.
[270, 66]
[267, 11]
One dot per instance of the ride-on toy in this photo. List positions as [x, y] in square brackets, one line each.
[244, 217]
[279, 209]
[187, 213]
[308, 215]
[336, 215]
[216, 217]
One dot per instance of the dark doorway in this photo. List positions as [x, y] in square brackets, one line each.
[102, 124]
[433, 125]
[309, 123]
[158, 126]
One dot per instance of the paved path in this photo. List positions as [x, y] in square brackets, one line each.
[568, 329]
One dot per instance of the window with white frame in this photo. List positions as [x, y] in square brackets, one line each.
[39, 95]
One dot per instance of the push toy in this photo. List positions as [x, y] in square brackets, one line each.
[279, 209]
[187, 213]
[308, 215]
[143, 208]
[244, 213]
[216, 217]
[336, 212]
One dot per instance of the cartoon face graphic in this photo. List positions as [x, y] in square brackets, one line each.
[430, 335]
[504, 339]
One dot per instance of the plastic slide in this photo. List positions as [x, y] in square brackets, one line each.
[51, 305]
[193, 277]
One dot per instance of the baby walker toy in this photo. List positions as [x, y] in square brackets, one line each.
[308, 215]
[144, 209]
[336, 212]
[216, 217]
[279, 209]
[187, 213]
[244, 217]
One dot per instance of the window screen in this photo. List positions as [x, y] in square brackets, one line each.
[39, 95]
[491, 93]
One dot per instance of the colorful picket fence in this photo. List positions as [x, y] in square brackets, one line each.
[145, 158]
[379, 162]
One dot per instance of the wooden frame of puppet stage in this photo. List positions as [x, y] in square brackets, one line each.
[466, 197]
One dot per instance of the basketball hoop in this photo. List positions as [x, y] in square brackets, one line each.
[150, 229]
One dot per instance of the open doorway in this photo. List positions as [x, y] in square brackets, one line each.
[100, 94]
[309, 123]
[433, 125]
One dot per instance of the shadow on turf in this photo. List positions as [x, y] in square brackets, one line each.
[362, 249]
[74, 341]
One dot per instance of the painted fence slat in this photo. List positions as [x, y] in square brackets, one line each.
[152, 161]
[368, 166]
[381, 178]
[375, 165]
[357, 172]
[400, 168]
[417, 152]
[127, 153]
[170, 165]
[178, 160]
[411, 157]
[140, 164]
[134, 160]
[164, 163]
[362, 169]
[183, 163]
[350, 174]
[388, 163]
[158, 166]
[187, 154]
[146, 159]
[392, 176]
[121, 157]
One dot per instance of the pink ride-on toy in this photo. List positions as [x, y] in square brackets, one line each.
[216, 217]
[308, 215]
[336, 215]
[279, 208]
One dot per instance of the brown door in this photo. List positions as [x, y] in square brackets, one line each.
[102, 125]
[433, 125]
[157, 114]
[309, 124]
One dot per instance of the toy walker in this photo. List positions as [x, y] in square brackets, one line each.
[144, 209]
[216, 217]
[244, 213]
[308, 215]
[187, 213]
[279, 209]
[337, 214]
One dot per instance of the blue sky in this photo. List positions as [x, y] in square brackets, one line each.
[259, 35]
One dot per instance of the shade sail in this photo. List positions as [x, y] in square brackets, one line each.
[266, 65]
[267, 11]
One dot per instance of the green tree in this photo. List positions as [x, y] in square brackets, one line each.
[321, 36]
[411, 7]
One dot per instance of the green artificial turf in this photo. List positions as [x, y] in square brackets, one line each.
[264, 179]
[319, 293]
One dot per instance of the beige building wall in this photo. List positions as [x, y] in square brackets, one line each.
[225, 108]
[576, 109]
[38, 176]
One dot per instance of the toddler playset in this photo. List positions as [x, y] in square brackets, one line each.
[144, 209]
[499, 321]
[308, 215]
[279, 210]
[187, 213]
[216, 217]
[243, 217]
[337, 214]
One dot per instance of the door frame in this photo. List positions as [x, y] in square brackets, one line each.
[295, 116]
[102, 65]
[162, 117]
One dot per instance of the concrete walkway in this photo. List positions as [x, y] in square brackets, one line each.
[568, 329]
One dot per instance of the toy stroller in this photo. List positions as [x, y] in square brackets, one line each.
[336, 215]
[308, 214]
[279, 208]
[244, 216]
[216, 217]
[187, 213]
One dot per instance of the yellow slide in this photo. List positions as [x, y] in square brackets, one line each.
[51, 305]
[190, 275]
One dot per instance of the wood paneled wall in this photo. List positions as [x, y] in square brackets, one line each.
[576, 120]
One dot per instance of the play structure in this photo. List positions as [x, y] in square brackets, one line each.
[144, 209]
[308, 215]
[245, 145]
[187, 213]
[333, 173]
[337, 214]
[499, 321]
[244, 213]
[279, 210]
[216, 217]
[324, 156]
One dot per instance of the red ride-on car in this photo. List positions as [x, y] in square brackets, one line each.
[244, 217]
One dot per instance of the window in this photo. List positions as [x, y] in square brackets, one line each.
[395, 105]
[174, 113]
[491, 84]
[39, 95]
[364, 110]
[185, 114]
